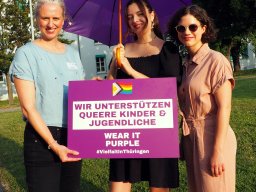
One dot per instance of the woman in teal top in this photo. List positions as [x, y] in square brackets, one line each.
[40, 71]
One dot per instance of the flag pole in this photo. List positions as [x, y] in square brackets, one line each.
[31, 20]
[118, 59]
[120, 20]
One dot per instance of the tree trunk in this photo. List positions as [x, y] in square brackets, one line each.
[228, 54]
[226, 45]
[236, 64]
[235, 55]
[9, 88]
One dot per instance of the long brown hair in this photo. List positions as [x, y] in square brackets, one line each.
[143, 4]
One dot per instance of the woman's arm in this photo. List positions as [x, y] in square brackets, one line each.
[26, 93]
[223, 100]
[126, 67]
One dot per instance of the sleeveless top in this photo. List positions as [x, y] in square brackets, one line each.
[165, 64]
[162, 172]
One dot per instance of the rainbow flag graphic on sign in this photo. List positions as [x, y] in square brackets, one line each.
[121, 88]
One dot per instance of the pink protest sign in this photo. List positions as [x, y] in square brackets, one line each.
[124, 118]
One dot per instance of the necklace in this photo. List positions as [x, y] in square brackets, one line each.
[147, 41]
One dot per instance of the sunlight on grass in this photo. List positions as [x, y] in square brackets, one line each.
[5, 104]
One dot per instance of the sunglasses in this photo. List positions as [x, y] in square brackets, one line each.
[182, 29]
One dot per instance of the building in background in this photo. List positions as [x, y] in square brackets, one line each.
[248, 61]
[3, 88]
[94, 55]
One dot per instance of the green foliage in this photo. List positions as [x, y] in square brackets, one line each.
[252, 39]
[63, 40]
[235, 21]
[14, 30]
[5, 61]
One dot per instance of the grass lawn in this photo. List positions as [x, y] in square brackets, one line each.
[5, 104]
[95, 171]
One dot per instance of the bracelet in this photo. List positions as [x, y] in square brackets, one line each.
[54, 141]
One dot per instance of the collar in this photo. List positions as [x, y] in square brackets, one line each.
[200, 55]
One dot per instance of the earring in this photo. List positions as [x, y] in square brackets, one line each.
[152, 25]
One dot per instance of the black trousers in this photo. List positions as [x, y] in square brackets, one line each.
[44, 170]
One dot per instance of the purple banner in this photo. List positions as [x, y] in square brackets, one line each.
[125, 118]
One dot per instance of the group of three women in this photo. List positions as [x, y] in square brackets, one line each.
[41, 71]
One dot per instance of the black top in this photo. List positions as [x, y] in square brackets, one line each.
[162, 172]
[165, 64]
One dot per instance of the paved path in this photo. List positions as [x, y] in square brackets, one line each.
[9, 110]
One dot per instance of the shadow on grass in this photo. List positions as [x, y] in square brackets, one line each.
[11, 160]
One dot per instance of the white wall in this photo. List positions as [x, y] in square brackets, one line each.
[250, 62]
[3, 90]
[88, 51]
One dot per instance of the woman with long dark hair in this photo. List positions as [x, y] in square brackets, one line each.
[148, 56]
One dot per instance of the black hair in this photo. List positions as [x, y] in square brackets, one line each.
[201, 15]
[143, 4]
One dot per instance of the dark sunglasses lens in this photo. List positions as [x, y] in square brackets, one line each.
[193, 27]
[180, 28]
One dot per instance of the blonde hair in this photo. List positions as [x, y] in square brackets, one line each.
[40, 3]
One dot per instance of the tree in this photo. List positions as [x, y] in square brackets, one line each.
[14, 31]
[235, 20]
[251, 38]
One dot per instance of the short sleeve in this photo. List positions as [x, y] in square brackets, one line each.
[221, 73]
[170, 61]
[20, 66]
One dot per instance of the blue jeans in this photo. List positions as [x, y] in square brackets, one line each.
[44, 170]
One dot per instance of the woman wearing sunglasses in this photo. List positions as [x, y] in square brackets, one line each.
[208, 142]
